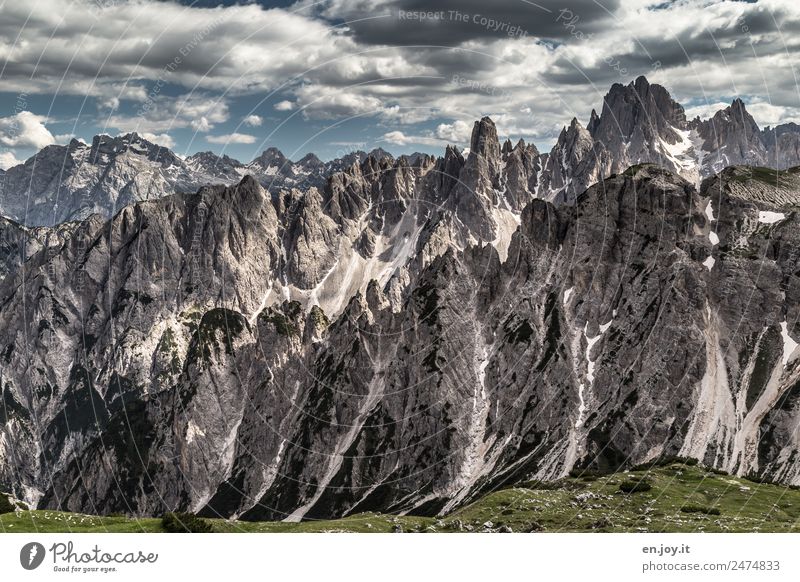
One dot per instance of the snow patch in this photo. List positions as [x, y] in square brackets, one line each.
[789, 345]
[590, 341]
[709, 262]
[712, 236]
[506, 223]
[193, 431]
[262, 305]
[590, 367]
[769, 217]
[568, 294]
[710, 211]
[683, 155]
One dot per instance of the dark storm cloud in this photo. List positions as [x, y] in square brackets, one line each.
[757, 32]
[453, 22]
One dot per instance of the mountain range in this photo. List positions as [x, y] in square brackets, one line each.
[71, 182]
[638, 123]
[410, 333]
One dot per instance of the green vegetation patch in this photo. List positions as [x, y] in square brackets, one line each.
[700, 509]
[629, 486]
[284, 319]
[683, 498]
[771, 176]
[216, 323]
[177, 522]
[5, 504]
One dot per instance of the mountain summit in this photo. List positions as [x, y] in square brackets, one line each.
[638, 123]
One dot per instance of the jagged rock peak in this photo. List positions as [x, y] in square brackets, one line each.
[639, 106]
[484, 142]
[272, 156]
[594, 119]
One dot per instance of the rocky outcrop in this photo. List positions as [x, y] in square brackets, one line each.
[641, 123]
[732, 137]
[574, 163]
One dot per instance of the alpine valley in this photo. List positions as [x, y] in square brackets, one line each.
[304, 340]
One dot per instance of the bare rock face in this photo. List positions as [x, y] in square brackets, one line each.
[474, 193]
[522, 168]
[641, 123]
[155, 362]
[783, 146]
[732, 137]
[485, 145]
[68, 183]
[219, 169]
[574, 163]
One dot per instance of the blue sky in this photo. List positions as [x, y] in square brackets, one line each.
[339, 75]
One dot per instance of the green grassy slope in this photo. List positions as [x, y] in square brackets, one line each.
[682, 498]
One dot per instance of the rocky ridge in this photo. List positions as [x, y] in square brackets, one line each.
[638, 123]
[409, 335]
[389, 343]
[70, 182]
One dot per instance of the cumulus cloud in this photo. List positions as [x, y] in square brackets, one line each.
[25, 130]
[456, 132]
[769, 114]
[284, 106]
[401, 139]
[396, 138]
[253, 120]
[199, 111]
[8, 160]
[201, 125]
[109, 103]
[230, 138]
[162, 139]
[193, 46]
[335, 103]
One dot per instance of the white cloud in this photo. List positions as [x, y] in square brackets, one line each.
[201, 125]
[401, 139]
[767, 114]
[705, 110]
[25, 130]
[396, 138]
[231, 138]
[253, 120]
[456, 132]
[200, 111]
[224, 48]
[8, 160]
[284, 106]
[110, 103]
[323, 102]
[162, 139]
